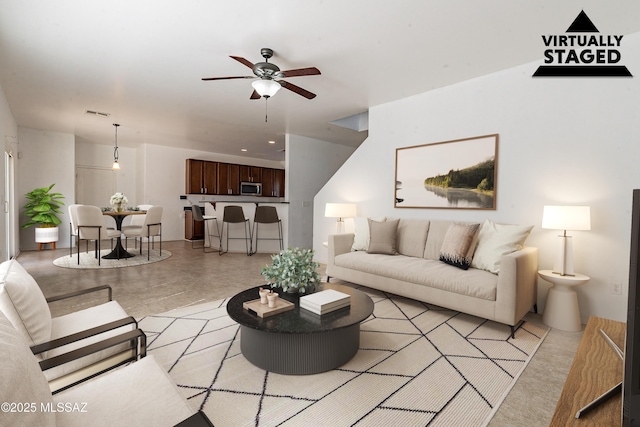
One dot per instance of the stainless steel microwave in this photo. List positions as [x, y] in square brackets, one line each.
[251, 189]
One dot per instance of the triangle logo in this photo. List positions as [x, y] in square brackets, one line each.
[582, 24]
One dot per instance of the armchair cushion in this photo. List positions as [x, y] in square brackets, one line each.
[22, 380]
[140, 394]
[23, 303]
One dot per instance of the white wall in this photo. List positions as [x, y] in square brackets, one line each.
[45, 158]
[310, 163]
[9, 135]
[562, 141]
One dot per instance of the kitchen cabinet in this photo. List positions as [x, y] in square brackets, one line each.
[193, 230]
[228, 179]
[272, 182]
[201, 177]
[250, 173]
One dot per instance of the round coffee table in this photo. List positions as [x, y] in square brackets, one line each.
[299, 341]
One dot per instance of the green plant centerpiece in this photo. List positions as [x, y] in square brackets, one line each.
[43, 207]
[292, 270]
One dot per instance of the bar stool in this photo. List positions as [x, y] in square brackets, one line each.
[235, 215]
[267, 215]
[197, 216]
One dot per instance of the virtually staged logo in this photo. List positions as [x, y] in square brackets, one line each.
[581, 53]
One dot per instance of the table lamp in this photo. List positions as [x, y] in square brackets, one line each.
[566, 218]
[340, 211]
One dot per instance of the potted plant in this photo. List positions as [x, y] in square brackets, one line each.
[292, 270]
[42, 209]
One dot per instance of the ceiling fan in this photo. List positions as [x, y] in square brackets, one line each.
[269, 75]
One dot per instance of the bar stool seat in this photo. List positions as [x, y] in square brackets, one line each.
[235, 215]
[267, 215]
[198, 216]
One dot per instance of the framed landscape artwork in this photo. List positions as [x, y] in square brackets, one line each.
[459, 174]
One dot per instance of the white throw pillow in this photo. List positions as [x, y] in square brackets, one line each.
[496, 240]
[361, 230]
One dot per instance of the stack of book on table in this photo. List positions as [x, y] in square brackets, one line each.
[325, 301]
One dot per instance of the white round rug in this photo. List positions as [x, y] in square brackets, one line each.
[88, 260]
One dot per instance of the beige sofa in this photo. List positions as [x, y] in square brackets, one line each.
[416, 272]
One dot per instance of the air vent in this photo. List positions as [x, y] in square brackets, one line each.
[97, 113]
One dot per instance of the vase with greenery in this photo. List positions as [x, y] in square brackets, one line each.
[292, 270]
[43, 207]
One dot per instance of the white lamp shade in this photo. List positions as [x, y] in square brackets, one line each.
[265, 87]
[340, 210]
[566, 218]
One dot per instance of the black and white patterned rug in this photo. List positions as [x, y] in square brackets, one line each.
[418, 365]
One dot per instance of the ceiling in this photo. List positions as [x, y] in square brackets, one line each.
[142, 62]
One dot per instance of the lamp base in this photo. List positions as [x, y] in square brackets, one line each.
[564, 261]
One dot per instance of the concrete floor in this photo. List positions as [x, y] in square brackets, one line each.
[190, 276]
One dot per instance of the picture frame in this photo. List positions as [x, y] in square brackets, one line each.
[456, 174]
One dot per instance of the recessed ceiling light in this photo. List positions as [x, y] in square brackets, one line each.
[272, 142]
[243, 149]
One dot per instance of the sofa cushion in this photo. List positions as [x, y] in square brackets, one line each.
[383, 237]
[425, 272]
[361, 232]
[412, 236]
[23, 303]
[437, 230]
[496, 240]
[459, 245]
[22, 381]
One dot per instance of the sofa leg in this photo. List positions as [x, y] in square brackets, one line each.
[513, 331]
[535, 308]
[328, 279]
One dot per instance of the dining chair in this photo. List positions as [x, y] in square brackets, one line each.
[151, 227]
[91, 226]
[73, 227]
[267, 215]
[235, 215]
[196, 212]
[136, 221]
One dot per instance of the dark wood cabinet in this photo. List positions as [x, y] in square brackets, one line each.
[250, 173]
[193, 230]
[272, 182]
[228, 179]
[201, 176]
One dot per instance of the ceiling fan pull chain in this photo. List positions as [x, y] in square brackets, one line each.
[266, 107]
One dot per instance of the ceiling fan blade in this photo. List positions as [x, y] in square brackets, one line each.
[297, 89]
[255, 95]
[228, 78]
[242, 61]
[310, 71]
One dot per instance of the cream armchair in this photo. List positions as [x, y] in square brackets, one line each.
[140, 394]
[55, 340]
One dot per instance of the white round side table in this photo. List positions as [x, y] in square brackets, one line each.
[561, 310]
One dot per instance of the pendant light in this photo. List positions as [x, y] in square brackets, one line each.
[116, 165]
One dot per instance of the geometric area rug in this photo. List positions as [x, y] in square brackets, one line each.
[89, 261]
[418, 364]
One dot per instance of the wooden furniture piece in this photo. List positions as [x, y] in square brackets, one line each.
[118, 251]
[595, 369]
[201, 177]
[562, 310]
[228, 179]
[193, 230]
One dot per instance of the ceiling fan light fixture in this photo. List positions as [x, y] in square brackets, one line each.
[266, 87]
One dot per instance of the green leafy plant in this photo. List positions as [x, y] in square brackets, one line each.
[43, 207]
[293, 270]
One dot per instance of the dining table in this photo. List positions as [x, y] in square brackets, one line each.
[119, 251]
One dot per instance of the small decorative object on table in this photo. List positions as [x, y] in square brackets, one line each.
[325, 301]
[268, 304]
[292, 270]
[119, 202]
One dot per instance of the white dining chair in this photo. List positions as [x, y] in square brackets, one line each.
[73, 228]
[91, 226]
[136, 221]
[152, 227]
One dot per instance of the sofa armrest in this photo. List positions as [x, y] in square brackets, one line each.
[87, 333]
[82, 292]
[338, 244]
[517, 285]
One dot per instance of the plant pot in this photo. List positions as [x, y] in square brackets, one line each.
[46, 234]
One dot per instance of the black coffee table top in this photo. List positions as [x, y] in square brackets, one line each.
[300, 321]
